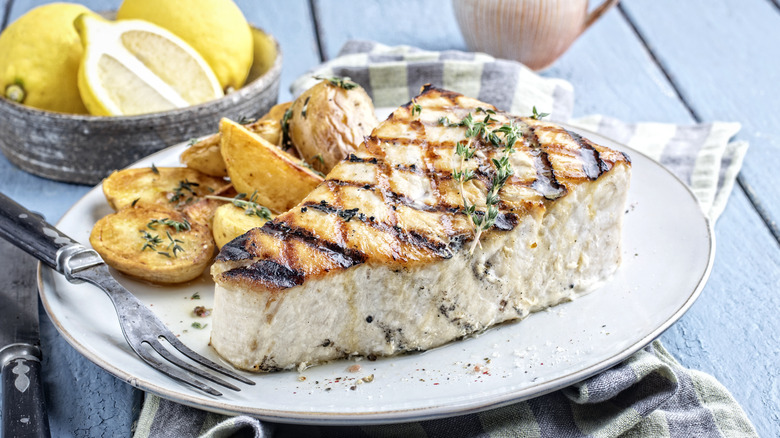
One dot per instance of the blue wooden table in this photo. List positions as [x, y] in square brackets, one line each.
[665, 61]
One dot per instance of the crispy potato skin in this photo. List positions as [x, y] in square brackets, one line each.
[169, 187]
[255, 165]
[205, 155]
[118, 238]
[329, 122]
[231, 221]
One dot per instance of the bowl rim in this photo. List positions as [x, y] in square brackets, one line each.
[260, 83]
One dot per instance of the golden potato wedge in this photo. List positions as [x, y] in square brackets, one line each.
[153, 243]
[205, 156]
[171, 187]
[329, 121]
[255, 165]
[231, 221]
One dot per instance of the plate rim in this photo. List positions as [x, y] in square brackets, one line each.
[395, 415]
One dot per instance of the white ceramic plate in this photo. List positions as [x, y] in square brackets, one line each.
[668, 253]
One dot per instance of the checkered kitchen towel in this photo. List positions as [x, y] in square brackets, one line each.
[649, 394]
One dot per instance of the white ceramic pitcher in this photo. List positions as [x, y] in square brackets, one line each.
[534, 32]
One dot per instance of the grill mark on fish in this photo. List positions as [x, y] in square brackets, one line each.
[592, 164]
[339, 255]
[545, 183]
[268, 272]
[236, 250]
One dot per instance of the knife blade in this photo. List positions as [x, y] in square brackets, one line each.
[23, 410]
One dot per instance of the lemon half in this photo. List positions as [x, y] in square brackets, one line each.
[135, 67]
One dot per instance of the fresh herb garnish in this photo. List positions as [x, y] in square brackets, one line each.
[244, 120]
[319, 158]
[151, 240]
[345, 82]
[174, 245]
[250, 206]
[198, 325]
[305, 107]
[505, 137]
[176, 225]
[195, 296]
[538, 116]
[285, 122]
[308, 166]
[155, 170]
[416, 109]
[192, 142]
[135, 201]
[179, 193]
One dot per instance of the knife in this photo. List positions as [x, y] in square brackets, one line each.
[23, 410]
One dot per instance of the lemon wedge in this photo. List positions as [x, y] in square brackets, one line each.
[135, 67]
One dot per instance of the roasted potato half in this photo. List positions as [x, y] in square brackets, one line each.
[170, 187]
[205, 156]
[231, 221]
[153, 243]
[329, 121]
[255, 165]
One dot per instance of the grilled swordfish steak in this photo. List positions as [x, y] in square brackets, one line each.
[383, 256]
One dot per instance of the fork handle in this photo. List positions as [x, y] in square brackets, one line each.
[30, 232]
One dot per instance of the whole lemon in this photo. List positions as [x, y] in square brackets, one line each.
[39, 59]
[215, 28]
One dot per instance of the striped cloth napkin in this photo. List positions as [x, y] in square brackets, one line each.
[648, 395]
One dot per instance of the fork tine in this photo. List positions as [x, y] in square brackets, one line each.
[185, 350]
[160, 348]
[175, 373]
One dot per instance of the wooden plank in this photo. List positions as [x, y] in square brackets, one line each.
[291, 23]
[4, 6]
[428, 25]
[598, 65]
[731, 332]
[731, 74]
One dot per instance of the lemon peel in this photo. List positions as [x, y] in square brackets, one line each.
[217, 29]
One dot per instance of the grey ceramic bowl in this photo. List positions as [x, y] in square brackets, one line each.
[84, 149]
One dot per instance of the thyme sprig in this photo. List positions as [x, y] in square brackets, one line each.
[173, 245]
[416, 109]
[285, 124]
[180, 193]
[151, 240]
[341, 82]
[176, 225]
[250, 206]
[503, 137]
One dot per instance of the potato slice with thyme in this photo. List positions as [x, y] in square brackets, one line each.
[236, 218]
[153, 243]
[170, 187]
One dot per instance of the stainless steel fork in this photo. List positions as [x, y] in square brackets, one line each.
[139, 325]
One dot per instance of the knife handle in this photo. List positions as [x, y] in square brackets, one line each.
[30, 232]
[24, 414]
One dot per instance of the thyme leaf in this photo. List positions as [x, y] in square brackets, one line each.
[538, 116]
[341, 82]
[176, 225]
[250, 206]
